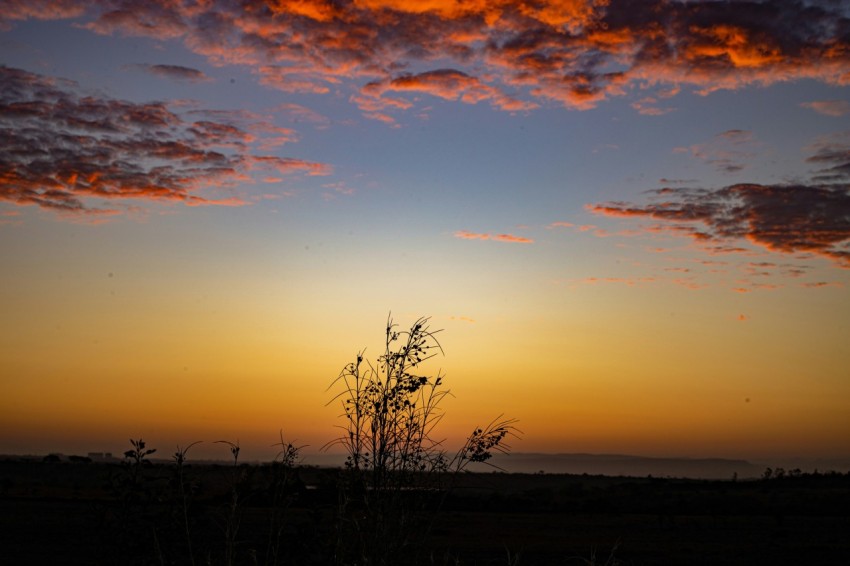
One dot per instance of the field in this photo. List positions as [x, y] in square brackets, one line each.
[85, 513]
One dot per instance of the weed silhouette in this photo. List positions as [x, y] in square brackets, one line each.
[396, 472]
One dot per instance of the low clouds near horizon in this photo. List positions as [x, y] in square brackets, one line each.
[509, 238]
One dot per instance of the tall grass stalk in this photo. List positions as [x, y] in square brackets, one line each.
[233, 514]
[180, 460]
[282, 494]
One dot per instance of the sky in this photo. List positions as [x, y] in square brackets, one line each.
[630, 220]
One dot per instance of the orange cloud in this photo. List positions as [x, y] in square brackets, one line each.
[40, 10]
[464, 235]
[70, 154]
[286, 165]
[570, 14]
[578, 53]
[647, 107]
[829, 107]
[742, 47]
[449, 84]
[689, 283]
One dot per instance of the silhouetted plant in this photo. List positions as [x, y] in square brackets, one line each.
[282, 493]
[233, 514]
[612, 560]
[136, 458]
[391, 410]
[132, 485]
[180, 460]
[135, 491]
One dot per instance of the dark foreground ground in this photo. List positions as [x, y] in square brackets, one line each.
[95, 513]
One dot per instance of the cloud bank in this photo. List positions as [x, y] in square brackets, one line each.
[72, 154]
[514, 54]
[783, 218]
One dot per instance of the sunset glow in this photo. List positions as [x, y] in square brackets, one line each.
[632, 224]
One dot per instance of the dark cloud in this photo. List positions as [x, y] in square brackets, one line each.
[175, 72]
[73, 154]
[523, 52]
[783, 218]
[834, 156]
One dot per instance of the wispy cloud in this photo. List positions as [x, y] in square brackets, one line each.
[40, 10]
[829, 107]
[73, 155]
[298, 113]
[449, 84]
[629, 281]
[174, 72]
[515, 54]
[834, 153]
[649, 106]
[821, 284]
[510, 238]
[727, 151]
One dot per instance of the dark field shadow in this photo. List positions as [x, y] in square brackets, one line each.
[69, 513]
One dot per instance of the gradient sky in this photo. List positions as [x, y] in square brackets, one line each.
[631, 219]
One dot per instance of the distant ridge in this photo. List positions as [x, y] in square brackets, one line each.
[600, 464]
[626, 465]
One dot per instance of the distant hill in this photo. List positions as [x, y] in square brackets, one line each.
[600, 464]
[624, 465]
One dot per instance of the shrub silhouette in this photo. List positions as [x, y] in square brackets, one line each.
[396, 471]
